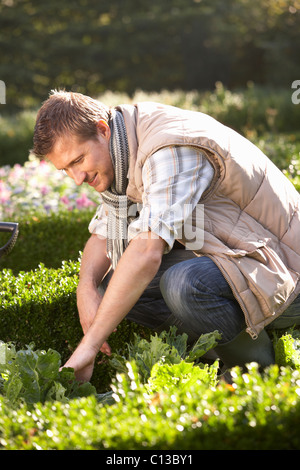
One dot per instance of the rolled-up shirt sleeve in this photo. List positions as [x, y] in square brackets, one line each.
[174, 180]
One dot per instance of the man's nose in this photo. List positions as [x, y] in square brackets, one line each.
[78, 176]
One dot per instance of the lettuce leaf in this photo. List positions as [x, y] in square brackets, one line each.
[33, 376]
[171, 378]
[168, 346]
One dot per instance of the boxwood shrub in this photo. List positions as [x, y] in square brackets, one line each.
[39, 306]
[158, 399]
[48, 239]
[255, 412]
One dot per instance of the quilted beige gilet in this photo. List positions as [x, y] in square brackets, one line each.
[251, 210]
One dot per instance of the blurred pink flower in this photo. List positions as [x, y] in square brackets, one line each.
[43, 167]
[65, 200]
[4, 193]
[84, 201]
[44, 190]
[38, 186]
[16, 172]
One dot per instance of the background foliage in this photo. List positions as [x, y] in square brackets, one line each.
[263, 114]
[124, 45]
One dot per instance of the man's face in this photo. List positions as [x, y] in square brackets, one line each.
[85, 162]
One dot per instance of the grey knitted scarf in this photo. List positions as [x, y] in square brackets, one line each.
[115, 197]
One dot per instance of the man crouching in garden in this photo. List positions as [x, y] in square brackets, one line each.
[167, 178]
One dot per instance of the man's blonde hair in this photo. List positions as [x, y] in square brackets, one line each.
[66, 113]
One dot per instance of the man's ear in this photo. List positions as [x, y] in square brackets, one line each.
[103, 128]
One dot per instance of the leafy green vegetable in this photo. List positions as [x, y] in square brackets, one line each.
[172, 377]
[168, 346]
[33, 376]
[287, 349]
[30, 300]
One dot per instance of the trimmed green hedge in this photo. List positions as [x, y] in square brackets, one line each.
[40, 306]
[257, 412]
[154, 390]
[48, 239]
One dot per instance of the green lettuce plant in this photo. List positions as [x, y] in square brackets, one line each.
[168, 347]
[33, 376]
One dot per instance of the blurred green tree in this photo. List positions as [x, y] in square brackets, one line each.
[91, 46]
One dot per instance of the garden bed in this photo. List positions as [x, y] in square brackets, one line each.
[160, 399]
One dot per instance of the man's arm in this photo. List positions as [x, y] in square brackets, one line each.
[135, 270]
[94, 266]
[94, 263]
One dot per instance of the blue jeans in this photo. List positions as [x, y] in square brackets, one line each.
[191, 293]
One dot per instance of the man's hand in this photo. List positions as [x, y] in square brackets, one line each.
[82, 361]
